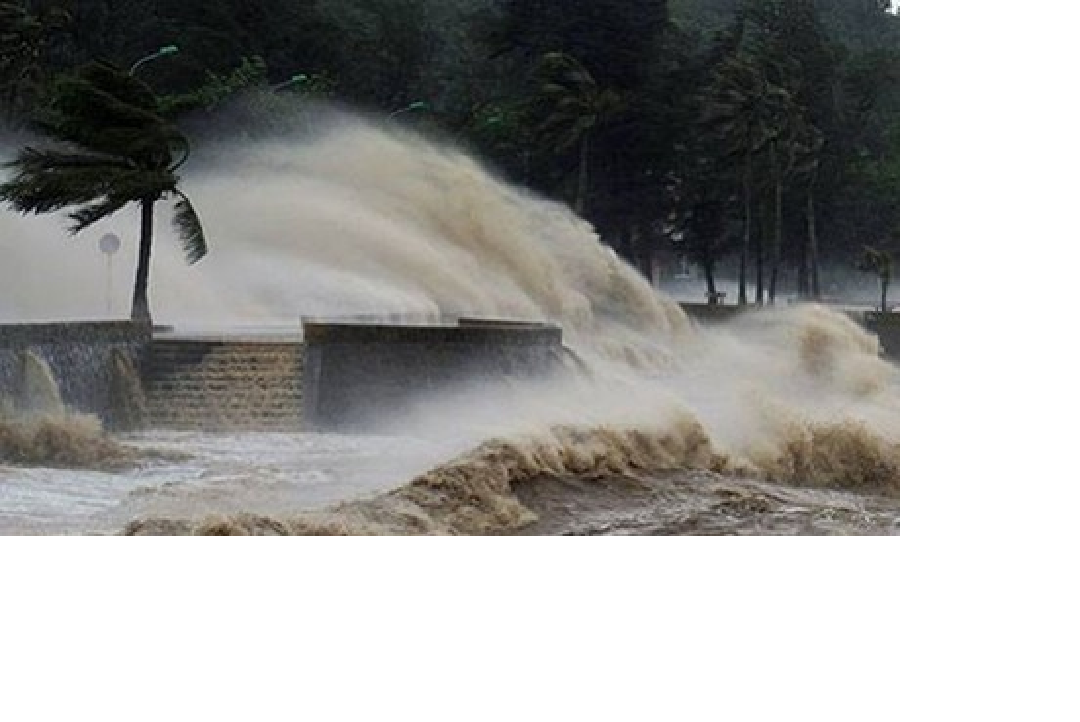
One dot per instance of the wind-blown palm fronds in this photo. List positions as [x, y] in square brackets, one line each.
[111, 147]
[737, 107]
[577, 106]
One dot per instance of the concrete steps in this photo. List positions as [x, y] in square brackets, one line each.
[224, 385]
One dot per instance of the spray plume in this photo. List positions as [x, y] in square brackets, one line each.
[355, 220]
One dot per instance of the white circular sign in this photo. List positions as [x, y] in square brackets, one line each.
[109, 243]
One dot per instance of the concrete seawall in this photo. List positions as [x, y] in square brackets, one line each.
[885, 326]
[225, 384]
[358, 375]
[79, 356]
[343, 374]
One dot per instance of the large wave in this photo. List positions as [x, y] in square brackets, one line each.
[356, 220]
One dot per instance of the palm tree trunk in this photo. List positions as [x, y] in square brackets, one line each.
[811, 235]
[140, 305]
[710, 282]
[759, 259]
[708, 261]
[802, 280]
[884, 293]
[583, 176]
[744, 252]
[778, 208]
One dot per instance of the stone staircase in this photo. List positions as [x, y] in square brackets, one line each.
[226, 385]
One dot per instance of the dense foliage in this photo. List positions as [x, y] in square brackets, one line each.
[763, 130]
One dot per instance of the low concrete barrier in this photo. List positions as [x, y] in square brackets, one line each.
[359, 375]
[887, 328]
[78, 355]
[712, 313]
[226, 384]
[885, 325]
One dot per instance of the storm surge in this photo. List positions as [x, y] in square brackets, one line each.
[797, 398]
[355, 220]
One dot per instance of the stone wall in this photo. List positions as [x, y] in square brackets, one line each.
[887, 328]
[79, 356]
[710, 313]
[362, 375]
[223, 384]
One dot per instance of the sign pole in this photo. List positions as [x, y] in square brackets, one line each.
[109, 245]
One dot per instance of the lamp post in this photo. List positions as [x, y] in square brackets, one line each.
[418, 105]
[298, 78]
[159, 53]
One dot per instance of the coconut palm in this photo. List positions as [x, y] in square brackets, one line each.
[780, 130]
[807, 144]
[736, 107]
[111, 147]
[879, 263]
[578, 105]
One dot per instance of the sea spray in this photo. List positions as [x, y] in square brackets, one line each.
[40, 430]
[127, 398]
[39, 392]
[750, 400]
[358, 221]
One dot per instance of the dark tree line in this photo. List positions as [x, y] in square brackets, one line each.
[766, 131]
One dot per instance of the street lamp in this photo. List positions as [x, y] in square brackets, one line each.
[298, 78]
[418, 105]
[159, 53]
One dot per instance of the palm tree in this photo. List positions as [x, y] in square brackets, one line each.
[780, 143]
[807, 144]
[879, 263]
[111, 148]
[703, 192]
[578, 105]
[736, 107]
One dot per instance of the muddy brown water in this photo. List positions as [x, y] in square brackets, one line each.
[701, 503]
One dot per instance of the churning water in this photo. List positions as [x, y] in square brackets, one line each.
[355, 220]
